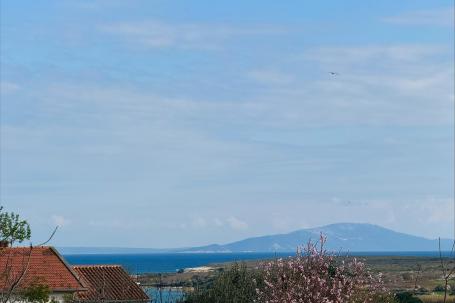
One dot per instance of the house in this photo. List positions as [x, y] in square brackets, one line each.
[22, 267]
[109, 284]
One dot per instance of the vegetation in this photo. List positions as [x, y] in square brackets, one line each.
[311, 276]
[317, 276]
[36, 292]
[407, 297]
[13, 228]
[237, 284]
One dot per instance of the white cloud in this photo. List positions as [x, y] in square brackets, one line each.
[209, 222]
[157, 34]
[60, 221]
[236, 223]
[431, 17]
[356, 55]
[199, 222]
[376, 85]
[218, 222]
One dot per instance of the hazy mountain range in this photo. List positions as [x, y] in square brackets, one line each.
[352, 237]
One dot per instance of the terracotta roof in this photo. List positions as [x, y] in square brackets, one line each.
[42, 265]
[108, 283]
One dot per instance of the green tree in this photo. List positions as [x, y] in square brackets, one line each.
[36, 292]
[13, 228]
[237, 284]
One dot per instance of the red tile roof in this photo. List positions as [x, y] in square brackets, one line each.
[42, 265]
[108, 283]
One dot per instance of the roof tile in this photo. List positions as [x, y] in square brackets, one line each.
[108, 283]
[42, 265]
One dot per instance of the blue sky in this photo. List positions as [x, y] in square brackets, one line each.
[175, 123]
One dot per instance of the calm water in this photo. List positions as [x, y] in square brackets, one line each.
[171, 262]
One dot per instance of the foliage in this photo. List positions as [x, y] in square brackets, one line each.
[421, 291]
[13, 228]
[36, 292]
[315, 276]
[439, 288]
[237, 284]
[407, 297]
[68, 298]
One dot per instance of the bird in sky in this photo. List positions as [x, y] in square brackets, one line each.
[334, 73]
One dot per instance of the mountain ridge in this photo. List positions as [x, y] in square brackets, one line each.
[354, 237]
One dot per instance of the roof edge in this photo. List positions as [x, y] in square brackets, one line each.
[75, 275]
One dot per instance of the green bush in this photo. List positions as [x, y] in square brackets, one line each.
[407, 297]
[237, 284]
[439, 288]
[36, 292]
[421, 291]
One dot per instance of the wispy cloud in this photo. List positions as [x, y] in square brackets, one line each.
[376, 85]
[157, 34]
[201, 222]
[236, 223]
[60, 220]
[398, 53]
[8, 87]
[430, 17]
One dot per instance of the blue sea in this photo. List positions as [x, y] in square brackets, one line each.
[172, 262]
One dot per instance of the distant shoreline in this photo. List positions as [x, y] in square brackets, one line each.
[66, 252]
[173, 262]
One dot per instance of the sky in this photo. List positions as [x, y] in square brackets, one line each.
[178, 123]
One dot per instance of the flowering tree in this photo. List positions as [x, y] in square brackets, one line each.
[316, 276]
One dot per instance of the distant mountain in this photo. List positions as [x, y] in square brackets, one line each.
[341, 236]
[347, 237]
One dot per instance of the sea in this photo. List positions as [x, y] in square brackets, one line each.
[172, 262]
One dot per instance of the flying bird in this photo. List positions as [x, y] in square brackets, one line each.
[334, 73]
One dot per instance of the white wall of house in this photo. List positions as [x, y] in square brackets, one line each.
[57, 297]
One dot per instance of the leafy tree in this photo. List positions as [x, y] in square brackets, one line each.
[36, 292]
[236, 284]
[13, 228]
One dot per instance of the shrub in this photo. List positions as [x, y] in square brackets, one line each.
[237, 284]
[407, 297]
[36, 292]
[439, 288]
[316, 276]
[421, 291]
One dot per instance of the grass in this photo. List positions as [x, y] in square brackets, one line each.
[436, 298]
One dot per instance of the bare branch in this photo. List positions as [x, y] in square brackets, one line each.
[50, 238]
